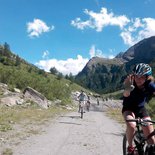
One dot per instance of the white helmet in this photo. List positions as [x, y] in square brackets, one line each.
[142, 69]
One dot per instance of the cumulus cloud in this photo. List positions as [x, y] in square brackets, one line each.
[37, 27]
[138, 30]
[97, 52]
[131, 30]
[99, 20]
[68, 66]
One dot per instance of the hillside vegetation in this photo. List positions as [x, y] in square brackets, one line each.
[17, 73]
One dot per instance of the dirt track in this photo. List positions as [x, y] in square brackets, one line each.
[95, 134]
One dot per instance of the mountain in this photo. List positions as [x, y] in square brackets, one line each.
[100, 74]
[106, 75]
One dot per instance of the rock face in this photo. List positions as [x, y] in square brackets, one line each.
[35, 96]
[143, 51]
[18, 98]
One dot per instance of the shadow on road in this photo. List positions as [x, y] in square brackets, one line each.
[70, 123]
[77, 117]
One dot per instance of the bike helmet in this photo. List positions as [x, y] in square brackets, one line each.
[142, 69]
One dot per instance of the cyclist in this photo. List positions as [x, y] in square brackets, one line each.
[88, 102]
[98, 101]
[82, 98]
[139, 88]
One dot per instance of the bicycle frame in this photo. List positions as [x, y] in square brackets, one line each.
[139, 139]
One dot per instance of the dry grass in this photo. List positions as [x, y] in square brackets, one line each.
[116, 114]
[19, 122]
[17, 114]
[7, 151]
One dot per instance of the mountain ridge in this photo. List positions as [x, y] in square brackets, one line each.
[105, 73]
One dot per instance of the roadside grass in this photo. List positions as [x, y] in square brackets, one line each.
[116, 114]
[31, 114]
[7, 151]
[19, 122]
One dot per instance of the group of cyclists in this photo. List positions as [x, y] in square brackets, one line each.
[139, 87]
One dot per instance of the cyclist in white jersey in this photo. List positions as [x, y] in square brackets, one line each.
[82, 98]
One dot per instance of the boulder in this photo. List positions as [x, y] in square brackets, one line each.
[36, 97]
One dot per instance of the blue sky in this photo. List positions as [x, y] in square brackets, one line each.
[67, 33]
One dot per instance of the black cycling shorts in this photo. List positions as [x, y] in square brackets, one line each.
[138, 111]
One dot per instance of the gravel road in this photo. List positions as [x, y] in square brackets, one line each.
[95, 134]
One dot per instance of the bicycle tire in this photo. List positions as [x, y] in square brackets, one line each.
[124, 145]
[138, 148]
[81, 112]
[150, 149]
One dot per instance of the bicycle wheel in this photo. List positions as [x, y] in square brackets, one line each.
[81, 112]
[139, 148]
[139, 145]
[124, 145]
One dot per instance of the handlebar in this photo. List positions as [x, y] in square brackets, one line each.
[141, 121]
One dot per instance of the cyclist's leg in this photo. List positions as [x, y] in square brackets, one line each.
[79, 106]
[130, 127]
[84, 104]
[147, 130]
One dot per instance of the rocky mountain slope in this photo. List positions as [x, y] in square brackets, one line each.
[106, 75]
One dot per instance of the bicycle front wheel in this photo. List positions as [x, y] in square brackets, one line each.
[124, 145]
[81, 112]
[139, 148]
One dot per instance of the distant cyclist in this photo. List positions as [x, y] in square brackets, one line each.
[98, 102]
[82, 98]
[88, 102]
[139, 88]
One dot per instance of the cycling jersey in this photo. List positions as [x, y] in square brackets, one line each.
[82, 97]
[138, 97]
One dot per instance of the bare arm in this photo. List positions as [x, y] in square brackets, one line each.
[128, 83]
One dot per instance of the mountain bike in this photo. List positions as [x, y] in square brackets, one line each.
[82, 104]
[140, 142]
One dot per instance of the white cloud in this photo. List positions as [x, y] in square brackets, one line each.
[149, 28]
[81, 25]
[99, 20]
[68, 66]
[132, 30]
[97, 52]
[92, 51]
[138, 30]
[37, 27]
[45, 54]
[127, 38]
